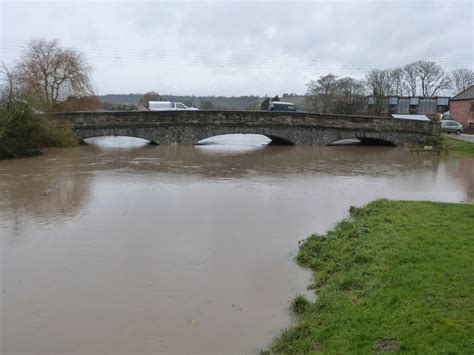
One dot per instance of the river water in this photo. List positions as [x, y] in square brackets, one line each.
[123, 248]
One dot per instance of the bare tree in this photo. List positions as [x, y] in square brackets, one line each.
[379, 82]
[50, 74]
[411, 78]
[462, 79]
[432, 78]
[329, 94]
[350, 96]
[387, 82]
[8, 82]
[397, 82]
[429, 77]
[321, 92]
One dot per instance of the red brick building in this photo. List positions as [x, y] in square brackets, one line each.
[461, 107]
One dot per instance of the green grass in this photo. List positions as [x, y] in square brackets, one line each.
[395, 277]
[458, 148]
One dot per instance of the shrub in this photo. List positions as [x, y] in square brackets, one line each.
[54, 134]
[20, 129]
[23, 131]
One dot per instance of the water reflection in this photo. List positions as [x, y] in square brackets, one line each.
[111, 248]
[234, 144]
[463, 172]
[117, 142]
[47, 189]
[237, 140]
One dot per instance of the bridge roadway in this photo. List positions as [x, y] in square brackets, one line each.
[190, 127]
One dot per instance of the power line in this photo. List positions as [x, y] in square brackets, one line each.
[224, 64]
[240, 56]
[223, 60]
[148, 54]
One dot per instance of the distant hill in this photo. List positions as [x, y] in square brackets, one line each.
[217, 102]
[126, 99]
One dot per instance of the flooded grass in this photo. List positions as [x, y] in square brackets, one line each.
[396, 276]
[300, 304]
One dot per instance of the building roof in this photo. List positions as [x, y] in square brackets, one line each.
[467, 94]
[282, 102]
[411, 117]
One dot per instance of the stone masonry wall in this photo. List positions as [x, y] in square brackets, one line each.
[189, 127]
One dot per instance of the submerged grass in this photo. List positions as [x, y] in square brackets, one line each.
[300, 304]
[395, 277]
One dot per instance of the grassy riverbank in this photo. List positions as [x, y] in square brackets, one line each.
[396, 276]
[458, 148]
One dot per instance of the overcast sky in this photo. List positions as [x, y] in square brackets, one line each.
[240, 48]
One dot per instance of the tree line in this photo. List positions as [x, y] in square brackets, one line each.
[331, 94]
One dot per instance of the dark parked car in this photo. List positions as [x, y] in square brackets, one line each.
[282, 106]
[450, 126]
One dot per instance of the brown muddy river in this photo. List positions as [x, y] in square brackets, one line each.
[124, 248]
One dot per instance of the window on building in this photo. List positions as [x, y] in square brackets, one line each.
[442, 101]
[427, 106]
[403, 106]
[393, 100]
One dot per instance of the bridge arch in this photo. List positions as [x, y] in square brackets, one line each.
[122, 132]
[276, 138]
[365, 138]
[279, 141]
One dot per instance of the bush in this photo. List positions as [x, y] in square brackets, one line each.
[23, 132]
[54, 134]
[20, 129]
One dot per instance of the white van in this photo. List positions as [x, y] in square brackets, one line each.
[168, 106]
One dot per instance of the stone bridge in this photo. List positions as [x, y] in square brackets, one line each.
[190, 127]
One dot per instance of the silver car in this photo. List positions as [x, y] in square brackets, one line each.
[451, 126]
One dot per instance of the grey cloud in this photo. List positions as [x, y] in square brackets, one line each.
[239, 48]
